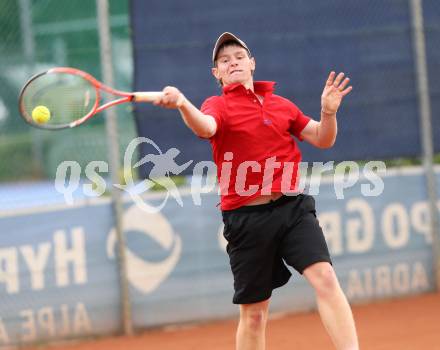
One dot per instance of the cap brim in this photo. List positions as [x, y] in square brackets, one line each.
[226, 36]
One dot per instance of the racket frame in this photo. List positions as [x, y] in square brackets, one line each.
[97, 85]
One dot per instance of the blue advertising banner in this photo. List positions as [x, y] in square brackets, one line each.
[59, 276]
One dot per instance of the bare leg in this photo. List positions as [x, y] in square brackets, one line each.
[333, 306]
[251, 331]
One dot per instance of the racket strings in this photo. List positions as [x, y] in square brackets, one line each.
[68, 97]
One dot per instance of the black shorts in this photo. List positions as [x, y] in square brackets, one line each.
[262, 238]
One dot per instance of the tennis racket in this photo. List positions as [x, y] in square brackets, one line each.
[65, 97]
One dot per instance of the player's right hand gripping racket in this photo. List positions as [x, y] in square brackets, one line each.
[65, 97]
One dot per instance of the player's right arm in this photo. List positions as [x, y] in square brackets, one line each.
[201, 124]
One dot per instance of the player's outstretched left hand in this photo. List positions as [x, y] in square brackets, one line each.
[334, 90]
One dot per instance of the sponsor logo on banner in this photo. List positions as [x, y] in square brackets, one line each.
[147, 276]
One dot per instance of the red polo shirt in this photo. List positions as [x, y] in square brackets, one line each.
[253, 147]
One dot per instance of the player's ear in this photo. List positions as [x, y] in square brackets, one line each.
[215, 73]
[252, 59]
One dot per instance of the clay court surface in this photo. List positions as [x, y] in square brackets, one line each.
[404, 324]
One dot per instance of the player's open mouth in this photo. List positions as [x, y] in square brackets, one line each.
[235, 71]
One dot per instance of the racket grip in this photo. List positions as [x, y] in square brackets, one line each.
[146, 96]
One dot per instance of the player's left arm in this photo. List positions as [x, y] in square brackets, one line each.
[322, 134]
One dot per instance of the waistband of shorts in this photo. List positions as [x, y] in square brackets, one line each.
[262, 207]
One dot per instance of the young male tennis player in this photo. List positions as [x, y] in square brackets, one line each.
[250, 129]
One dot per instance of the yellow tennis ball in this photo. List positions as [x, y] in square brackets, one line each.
[41, 114]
